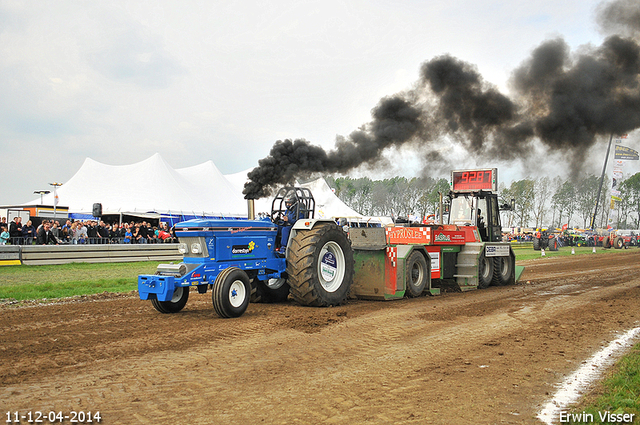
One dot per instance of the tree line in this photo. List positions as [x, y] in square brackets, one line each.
[539, 202]
[394, 197]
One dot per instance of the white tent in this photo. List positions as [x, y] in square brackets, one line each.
[328, 205]
[153, 186]
[149, 186]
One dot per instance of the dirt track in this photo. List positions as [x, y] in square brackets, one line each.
[489, 356]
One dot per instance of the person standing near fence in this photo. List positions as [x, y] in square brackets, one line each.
[127, 234]
[28, 233]
[71, 231]
[4, 235]
[44, 236]
[80, 234]
[15, 230]
[114, 234]
[55, 229]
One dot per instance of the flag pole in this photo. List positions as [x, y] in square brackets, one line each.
[604, 168]
[55, 197]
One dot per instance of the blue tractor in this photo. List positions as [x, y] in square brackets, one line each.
[268, 259]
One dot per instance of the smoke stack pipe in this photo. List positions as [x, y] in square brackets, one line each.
[251, 206]
[440, 213]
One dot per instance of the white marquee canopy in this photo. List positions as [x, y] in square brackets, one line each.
[153, 186]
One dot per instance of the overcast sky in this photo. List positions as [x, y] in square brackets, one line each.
[118, 81]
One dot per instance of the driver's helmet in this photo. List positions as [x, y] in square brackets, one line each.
[290, 199]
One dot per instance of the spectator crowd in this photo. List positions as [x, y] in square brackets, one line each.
[83, 232]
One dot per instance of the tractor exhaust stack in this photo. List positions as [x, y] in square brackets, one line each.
[251, 207]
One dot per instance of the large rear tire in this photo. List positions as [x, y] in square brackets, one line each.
[417, 275]
[536, 244]
[618, 242]
[231, 293]
[175, 304]
[485, 271]
[553, 244]
[270, 291]
[320, 265]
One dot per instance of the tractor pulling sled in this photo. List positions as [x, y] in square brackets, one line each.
[322, 265]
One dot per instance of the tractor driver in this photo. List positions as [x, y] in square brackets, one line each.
[289, 219]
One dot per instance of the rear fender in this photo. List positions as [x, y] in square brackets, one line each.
[307, 224]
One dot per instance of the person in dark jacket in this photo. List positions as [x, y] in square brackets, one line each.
[15, 230]
[103, 232]
[289, 218]
[44, 235]
[92, 231]
[28, 233]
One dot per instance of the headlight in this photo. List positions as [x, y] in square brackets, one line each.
[196, 248]
[182, 248]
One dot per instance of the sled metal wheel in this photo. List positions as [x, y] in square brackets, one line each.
[231, 293]
[177, 302]
[417, 272]
[485, 271]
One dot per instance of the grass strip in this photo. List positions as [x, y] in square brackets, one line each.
[526, 251]
[65, 280]
[618, 394]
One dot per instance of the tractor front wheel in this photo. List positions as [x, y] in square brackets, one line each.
[320, 265]
[231, 293]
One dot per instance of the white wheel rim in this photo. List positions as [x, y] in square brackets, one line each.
[331, 266]
[237, 293]
[275, 283]
[177, 294]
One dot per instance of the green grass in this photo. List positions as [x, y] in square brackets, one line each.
[58, 281]
[526, 251]
[620, 392]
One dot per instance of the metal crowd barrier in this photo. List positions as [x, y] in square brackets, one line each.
[88, 241]
[87, 253]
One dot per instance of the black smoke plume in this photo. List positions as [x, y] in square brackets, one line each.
[395, 121]
[564, 101]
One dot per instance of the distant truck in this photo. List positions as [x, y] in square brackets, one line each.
[241, 260]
